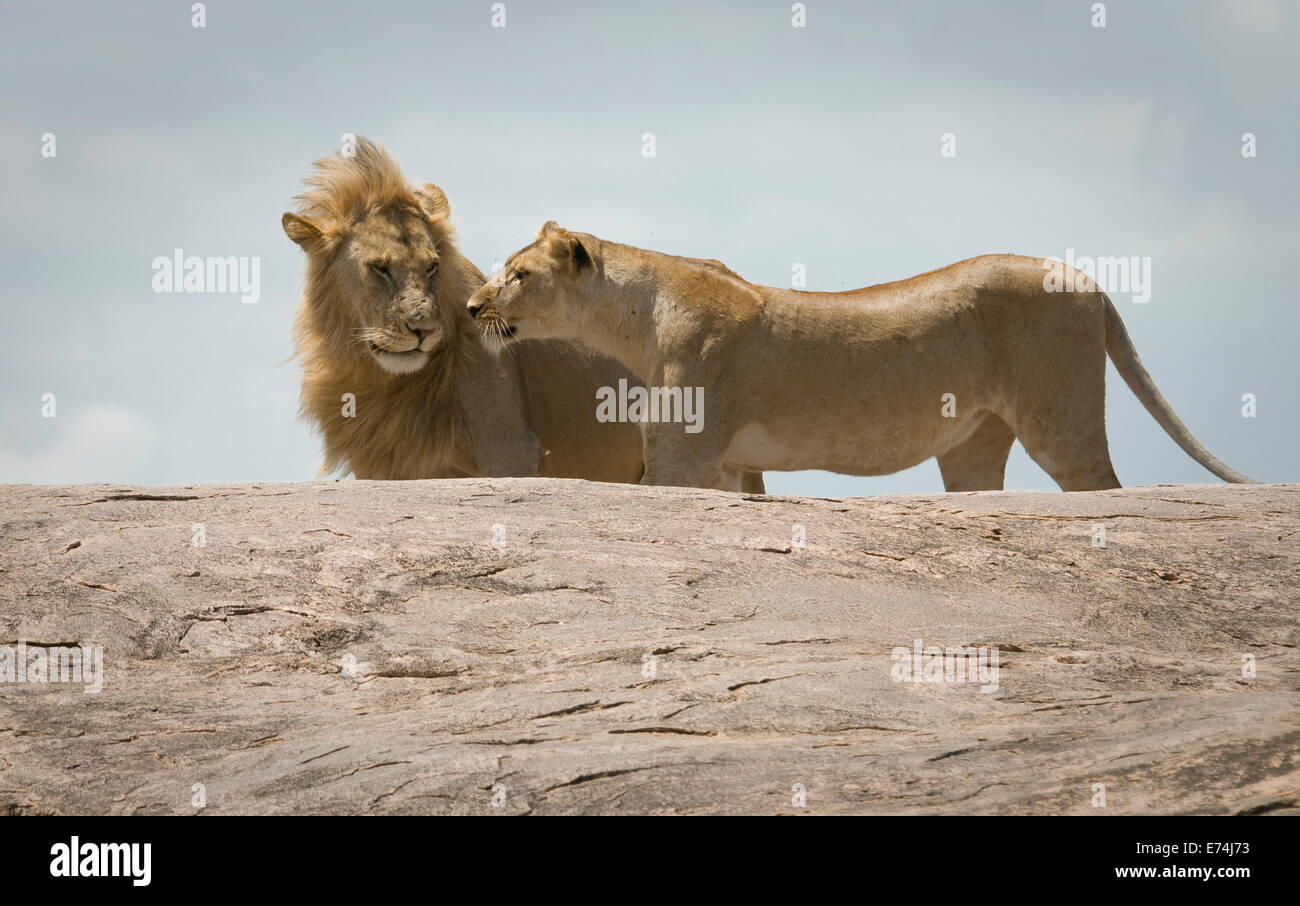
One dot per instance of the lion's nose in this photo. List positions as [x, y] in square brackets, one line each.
[419, 326]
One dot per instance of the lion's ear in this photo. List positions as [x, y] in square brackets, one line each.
[301, 230]
[433, 202]
[547, 229]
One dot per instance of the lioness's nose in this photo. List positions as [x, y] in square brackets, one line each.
[475, 308]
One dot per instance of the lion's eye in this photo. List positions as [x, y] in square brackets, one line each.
[381, 270]
[433, 269]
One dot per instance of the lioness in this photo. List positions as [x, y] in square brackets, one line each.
[956, 363]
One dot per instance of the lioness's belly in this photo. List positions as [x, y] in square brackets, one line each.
[849, 446]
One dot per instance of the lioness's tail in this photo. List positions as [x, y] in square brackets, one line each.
[1131, 369]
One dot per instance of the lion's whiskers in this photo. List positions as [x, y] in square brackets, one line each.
[368, 336]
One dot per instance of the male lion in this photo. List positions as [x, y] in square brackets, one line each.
[393, 374]
[956, 363]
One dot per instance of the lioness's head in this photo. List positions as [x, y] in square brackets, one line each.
[538, 293]
[373, 247]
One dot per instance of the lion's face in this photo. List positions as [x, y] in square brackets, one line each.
[388, 267]
[384, 267]
[534, 296]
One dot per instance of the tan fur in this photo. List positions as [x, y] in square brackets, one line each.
[852, 382]
[434, 404]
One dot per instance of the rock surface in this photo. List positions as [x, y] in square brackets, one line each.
[547, 646]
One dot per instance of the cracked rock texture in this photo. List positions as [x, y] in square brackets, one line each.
[548, 646]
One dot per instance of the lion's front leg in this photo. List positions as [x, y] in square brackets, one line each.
[501, 441]
[516, 454]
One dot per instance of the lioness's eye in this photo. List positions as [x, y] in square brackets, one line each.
[519, 275]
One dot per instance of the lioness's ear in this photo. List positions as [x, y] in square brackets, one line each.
[433, 202]
[578, 252]
[568, 249]
[565, 246]
[301, 230]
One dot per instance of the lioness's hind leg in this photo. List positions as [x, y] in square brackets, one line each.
[978, 463]
[1075, 452]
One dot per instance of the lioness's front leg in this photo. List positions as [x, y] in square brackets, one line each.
[674, 457]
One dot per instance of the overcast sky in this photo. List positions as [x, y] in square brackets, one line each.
[775, 145]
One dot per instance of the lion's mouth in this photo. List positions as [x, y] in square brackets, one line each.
[399, 362]
[426, 346]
